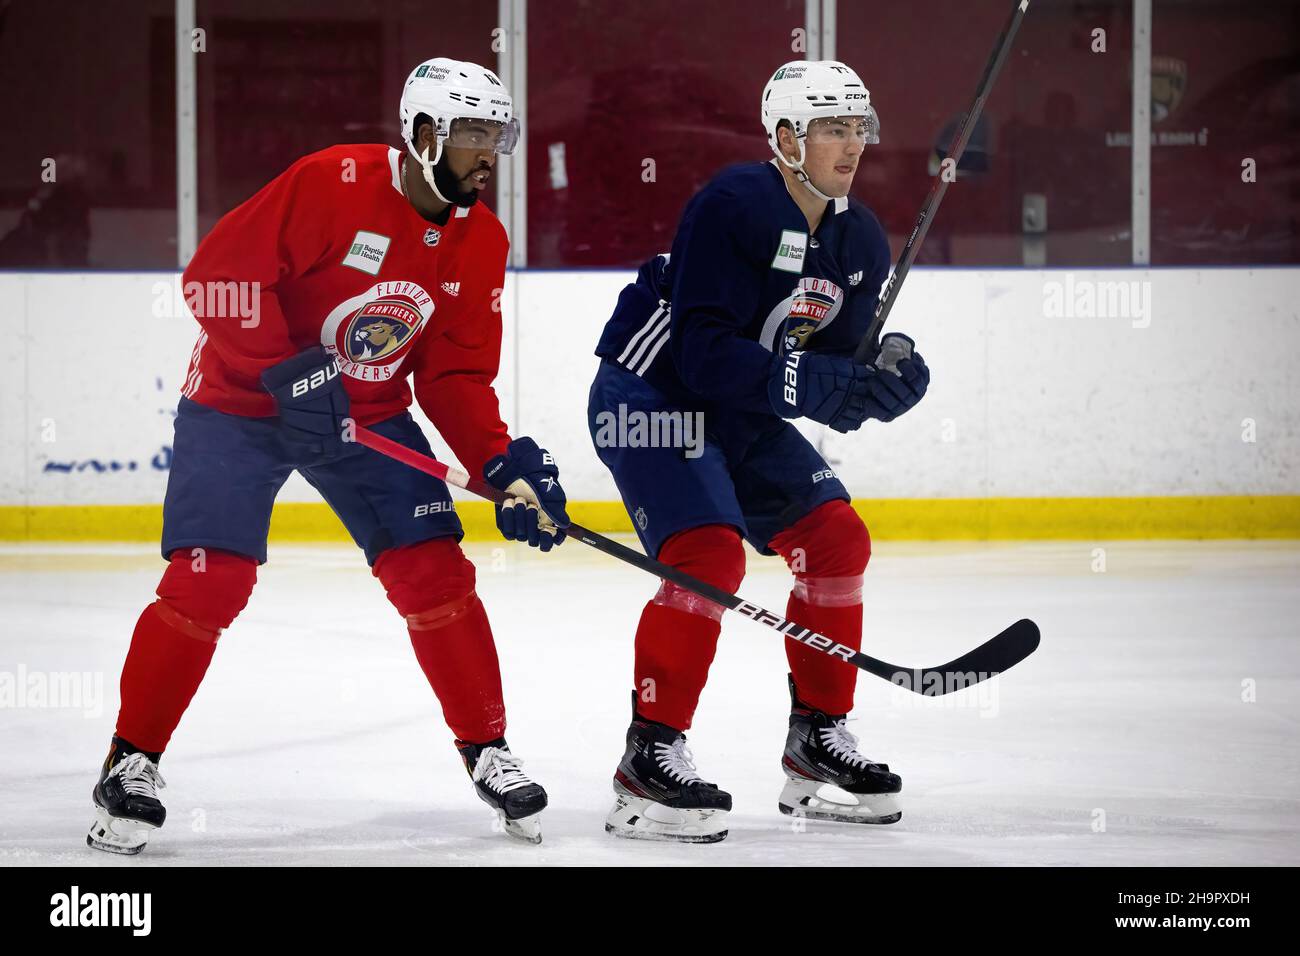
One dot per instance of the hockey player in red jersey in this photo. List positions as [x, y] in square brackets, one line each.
[366, 266]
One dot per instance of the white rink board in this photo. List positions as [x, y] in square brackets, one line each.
[1020, 404]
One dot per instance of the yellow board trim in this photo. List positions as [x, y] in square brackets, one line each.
[890, 519]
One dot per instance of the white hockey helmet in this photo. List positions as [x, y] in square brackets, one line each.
[447, 90]
[805, 90]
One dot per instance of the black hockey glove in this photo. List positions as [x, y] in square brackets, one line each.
[535, 511]
[830, 389]
[313, 405]
[903, 376]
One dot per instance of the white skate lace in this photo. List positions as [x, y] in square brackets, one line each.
[139, 776]
[843, 745]
[500, 769]
[676, 760]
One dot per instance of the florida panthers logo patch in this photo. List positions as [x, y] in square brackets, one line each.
[810, 306]
[372, 333]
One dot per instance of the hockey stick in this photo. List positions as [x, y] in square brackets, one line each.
[869, 347]
[993, 656]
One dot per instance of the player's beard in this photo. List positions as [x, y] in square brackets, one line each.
[449, 186]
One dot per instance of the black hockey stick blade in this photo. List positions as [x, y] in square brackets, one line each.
[991, 658]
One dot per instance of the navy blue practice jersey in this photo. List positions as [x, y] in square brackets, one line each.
[745, 282]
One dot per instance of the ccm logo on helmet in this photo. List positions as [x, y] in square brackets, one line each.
[316, 379]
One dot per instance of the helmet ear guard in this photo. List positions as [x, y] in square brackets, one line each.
[438, 137]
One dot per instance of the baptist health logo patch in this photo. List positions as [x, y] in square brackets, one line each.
[367, 252]
[372, 333]
[790, 251]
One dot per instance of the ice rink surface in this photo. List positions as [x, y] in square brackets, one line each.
[1156, 725]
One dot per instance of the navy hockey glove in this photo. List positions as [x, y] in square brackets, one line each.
[535, 510]
[830, 389]
[903, 376]
[313, 405]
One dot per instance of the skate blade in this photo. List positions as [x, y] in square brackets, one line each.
[118, 834]
[526, 829]
[637, 818]
[812, 800]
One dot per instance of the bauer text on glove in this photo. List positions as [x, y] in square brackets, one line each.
[830, 389]
[312, 403]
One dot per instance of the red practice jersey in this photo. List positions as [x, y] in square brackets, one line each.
[332, 253]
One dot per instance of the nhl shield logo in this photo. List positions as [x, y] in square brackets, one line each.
[431, 236]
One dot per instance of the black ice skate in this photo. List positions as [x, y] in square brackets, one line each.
[827, 779]
[505, 788]
[127, 808]
[658, 794]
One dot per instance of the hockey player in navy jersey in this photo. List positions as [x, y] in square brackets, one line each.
[751, 321]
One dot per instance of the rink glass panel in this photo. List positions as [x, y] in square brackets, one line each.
[614, 87]
[632, 108]
[92, 88]
[1046, 179]
[280, 81]
[1225, 79]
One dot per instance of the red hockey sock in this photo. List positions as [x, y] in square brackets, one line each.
[432, 585]
[163, 669]
[678, 633]
[821, 681]
[458, 656]
[174, 641]
[674, 649]
[828, 549]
